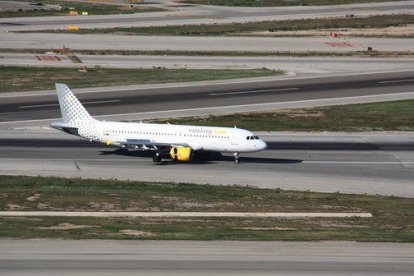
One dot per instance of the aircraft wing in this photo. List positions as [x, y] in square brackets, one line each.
[149, 143]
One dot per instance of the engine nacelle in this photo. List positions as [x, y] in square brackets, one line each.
[181, 153]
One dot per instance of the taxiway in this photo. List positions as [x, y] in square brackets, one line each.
[298, 65]
[40, 257]
[195, 43]
[194, 14]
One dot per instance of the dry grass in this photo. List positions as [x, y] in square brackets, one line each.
[393, 219]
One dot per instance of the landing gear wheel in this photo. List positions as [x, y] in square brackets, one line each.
[236, 158]
[156, 158]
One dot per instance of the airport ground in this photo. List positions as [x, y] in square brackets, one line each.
[23, 78]
[211, 97]
[44, 207]
[367, 163]
[225, 66]
[359, 163]
[180, 14]
[372, 163]
[190, 43]
[39, 257]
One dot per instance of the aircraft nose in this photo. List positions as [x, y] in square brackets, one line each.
[263, 145]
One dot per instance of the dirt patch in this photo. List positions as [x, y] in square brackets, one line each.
[291, 113]
[33, 197]
[65, 226]
[103, 206]
[46, 206]
[268, 228]
[303, 113]
[15, 207]
[184, 202]
[397, 31]
[192, 204]
[137, 233]
[341, 225]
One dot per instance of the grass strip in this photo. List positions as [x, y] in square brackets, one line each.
[392, 222]
[379, 21]
[220, 53]
[279, 3]
[386, 116]
[91, 8]
[15, 78]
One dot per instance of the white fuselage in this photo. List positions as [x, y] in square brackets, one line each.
[220, 139]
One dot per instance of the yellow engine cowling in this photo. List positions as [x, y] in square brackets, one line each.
[181, 153]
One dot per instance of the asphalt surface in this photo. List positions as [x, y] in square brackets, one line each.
[16, 6]
[193, 43]
[18, 107]
[194, 14]
[329, 162]
[297, 65]
[54, 257]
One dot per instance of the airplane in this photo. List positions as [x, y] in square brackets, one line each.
[172, 142]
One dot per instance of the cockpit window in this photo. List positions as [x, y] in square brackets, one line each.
[248, 138]
[256, 137]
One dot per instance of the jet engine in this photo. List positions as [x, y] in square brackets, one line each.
[181, 153]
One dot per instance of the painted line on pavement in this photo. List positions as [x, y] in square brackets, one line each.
[84, 103]
[396, 81]
[180, 214]
[254, 91]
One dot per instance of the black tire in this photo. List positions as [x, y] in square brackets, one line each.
[156, 158]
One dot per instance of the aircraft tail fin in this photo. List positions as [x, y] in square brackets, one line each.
[70, 107]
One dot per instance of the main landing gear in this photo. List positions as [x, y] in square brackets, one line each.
[236, 158]
[156, 158]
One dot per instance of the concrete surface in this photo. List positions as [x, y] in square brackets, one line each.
[181, 214]
[175, 100]
[92, 257]
[296, 65]
[29, 5]
[194, 14]
[188, 43]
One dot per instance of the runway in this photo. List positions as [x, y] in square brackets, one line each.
[57, 257]
[327, 162]
[214, 96]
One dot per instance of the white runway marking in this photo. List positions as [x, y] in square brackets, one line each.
[254, 91]
[395, 81]
[85, 103]
[180, 214]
